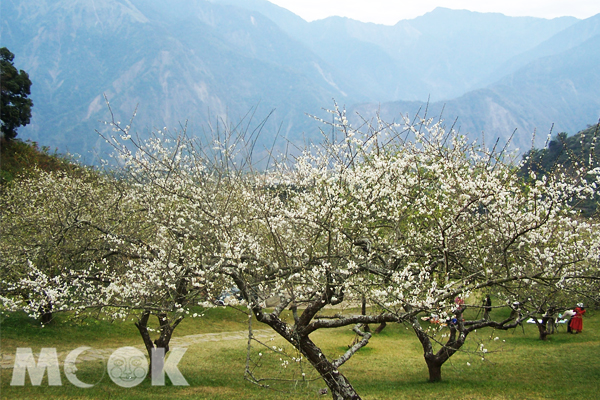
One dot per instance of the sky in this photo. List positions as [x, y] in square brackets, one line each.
[389, 12]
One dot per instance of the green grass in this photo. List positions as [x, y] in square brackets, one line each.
[20, 330]
[519, 365]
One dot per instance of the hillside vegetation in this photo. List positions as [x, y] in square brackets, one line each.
[567, 153]
[17, 157]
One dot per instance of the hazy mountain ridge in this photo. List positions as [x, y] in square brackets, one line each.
[420, 58]
[569, 38]
[558, 93]
[195, 60]
[186, 64]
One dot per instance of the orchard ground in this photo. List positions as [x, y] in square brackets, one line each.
[518, 364]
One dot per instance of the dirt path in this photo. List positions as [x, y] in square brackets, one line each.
[8, 360]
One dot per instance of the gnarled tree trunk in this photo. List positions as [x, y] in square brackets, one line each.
[46, 314]
[340, 387]
[166, 331]
[543, 327]
[436, 360]
[434, 365]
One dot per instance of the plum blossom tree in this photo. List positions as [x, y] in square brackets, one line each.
[269, 243]
[440, 219]
[91, 244]
[544, 299]
[290, 249]
[43, 232]
[411, 218]
[409, 225]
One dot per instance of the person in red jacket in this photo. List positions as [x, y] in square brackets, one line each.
[577, 320]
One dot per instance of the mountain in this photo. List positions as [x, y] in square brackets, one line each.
[440, 55]
[569, 38]
[558, 93]
[175, 61]
[235, 62]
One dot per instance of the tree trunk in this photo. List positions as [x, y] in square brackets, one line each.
[46, 318]
[435, 369]
[297, 336]
[363, 310]
[380, 328]
[340, 387]
[436, 360]
[46, 314]
[542, 328]
[142, 326]
[166, 331]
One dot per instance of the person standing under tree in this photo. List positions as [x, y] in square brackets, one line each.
[550, 317]
[487, 307]
[568, 315]
[576, 324]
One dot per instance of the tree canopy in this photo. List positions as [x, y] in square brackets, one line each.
[15, 109]
[419, 229]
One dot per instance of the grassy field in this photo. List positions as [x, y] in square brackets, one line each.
[519, 365]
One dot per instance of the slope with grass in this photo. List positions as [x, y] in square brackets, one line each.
[17, 157]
